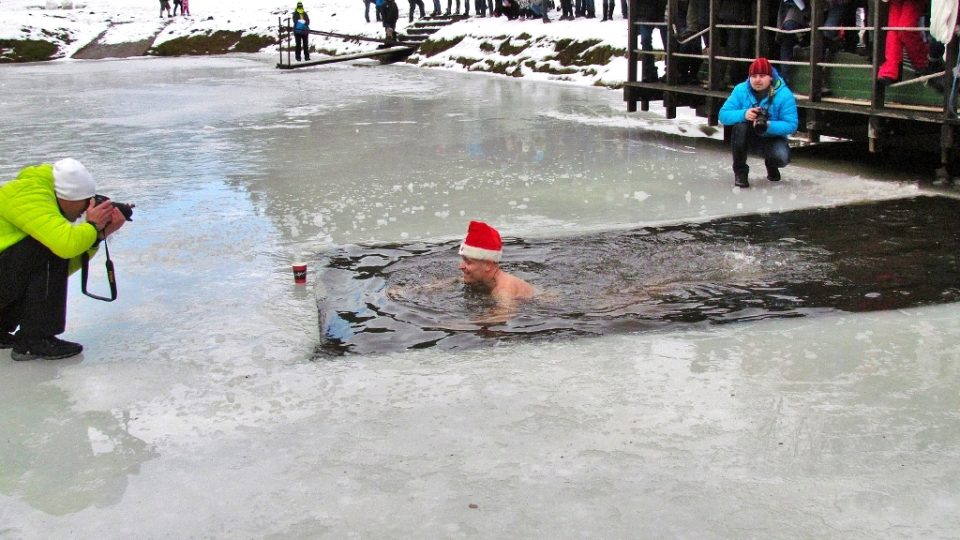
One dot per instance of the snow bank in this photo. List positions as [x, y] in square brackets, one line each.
[533, 49]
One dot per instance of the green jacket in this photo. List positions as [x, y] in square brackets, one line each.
[28, 206]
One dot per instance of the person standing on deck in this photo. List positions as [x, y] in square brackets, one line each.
[903, 14]
[301, 31]
[761, 113]
[652, 11]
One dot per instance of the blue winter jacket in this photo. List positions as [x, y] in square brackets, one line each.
[778, 100]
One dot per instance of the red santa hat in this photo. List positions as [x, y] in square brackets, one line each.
[482, 242]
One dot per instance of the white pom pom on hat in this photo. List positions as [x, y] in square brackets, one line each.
[482, 242]
[72, 181]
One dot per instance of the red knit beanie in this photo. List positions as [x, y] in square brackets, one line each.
[761, 66]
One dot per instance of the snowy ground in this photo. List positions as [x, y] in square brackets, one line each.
[124, 21]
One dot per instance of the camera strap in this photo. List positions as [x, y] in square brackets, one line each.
[111, 277]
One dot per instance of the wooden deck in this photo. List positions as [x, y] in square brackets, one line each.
[910, 113]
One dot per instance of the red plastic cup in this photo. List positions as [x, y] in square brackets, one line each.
[300, 273]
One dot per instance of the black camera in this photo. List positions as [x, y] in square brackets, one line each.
[762, 121]
[124, 208]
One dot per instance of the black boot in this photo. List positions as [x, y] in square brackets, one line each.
[740, 180]
[46, 348]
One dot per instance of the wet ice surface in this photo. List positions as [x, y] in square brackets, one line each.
[195, 410]
[886, 255]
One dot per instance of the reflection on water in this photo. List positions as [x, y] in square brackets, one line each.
[57, 460]
[884, 255]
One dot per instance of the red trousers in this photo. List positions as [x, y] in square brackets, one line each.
[905, 13]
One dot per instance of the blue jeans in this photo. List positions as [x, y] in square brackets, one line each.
[774, 150]
[366, 9]
[834, 18]
[786, 49]
[540, 11]
[585, 8]
[649, 63]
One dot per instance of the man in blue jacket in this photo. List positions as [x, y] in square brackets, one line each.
[761, 113]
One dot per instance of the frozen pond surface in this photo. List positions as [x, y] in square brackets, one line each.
[196, 410]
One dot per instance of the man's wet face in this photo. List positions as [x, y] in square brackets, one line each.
[475, 271]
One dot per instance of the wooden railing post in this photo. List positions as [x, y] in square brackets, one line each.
[879, 19]
[713, 70]
[630, 92]
[761, 41]
[816, 50]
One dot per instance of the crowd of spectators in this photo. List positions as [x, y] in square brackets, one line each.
[514, 9]
[791, 43]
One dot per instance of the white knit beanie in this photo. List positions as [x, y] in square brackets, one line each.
[72, 181]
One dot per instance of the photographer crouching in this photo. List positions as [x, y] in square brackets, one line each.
[41, 244]
[761, 113]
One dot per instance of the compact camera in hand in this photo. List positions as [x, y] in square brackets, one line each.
[125, 208]
[762, 122]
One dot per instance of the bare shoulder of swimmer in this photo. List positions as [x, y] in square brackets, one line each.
[397, 291]
[511, 288]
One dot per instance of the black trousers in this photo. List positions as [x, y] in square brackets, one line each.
[302, 41]
[413, 5]
[33, 289]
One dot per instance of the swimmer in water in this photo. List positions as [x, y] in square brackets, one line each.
[480, 265]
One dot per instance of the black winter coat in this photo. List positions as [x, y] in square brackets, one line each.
[651, 10]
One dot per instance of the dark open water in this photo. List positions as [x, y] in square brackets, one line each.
[885, 255]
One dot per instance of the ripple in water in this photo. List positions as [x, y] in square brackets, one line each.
[884, 255]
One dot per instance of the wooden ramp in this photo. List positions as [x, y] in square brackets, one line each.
[389, 54]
